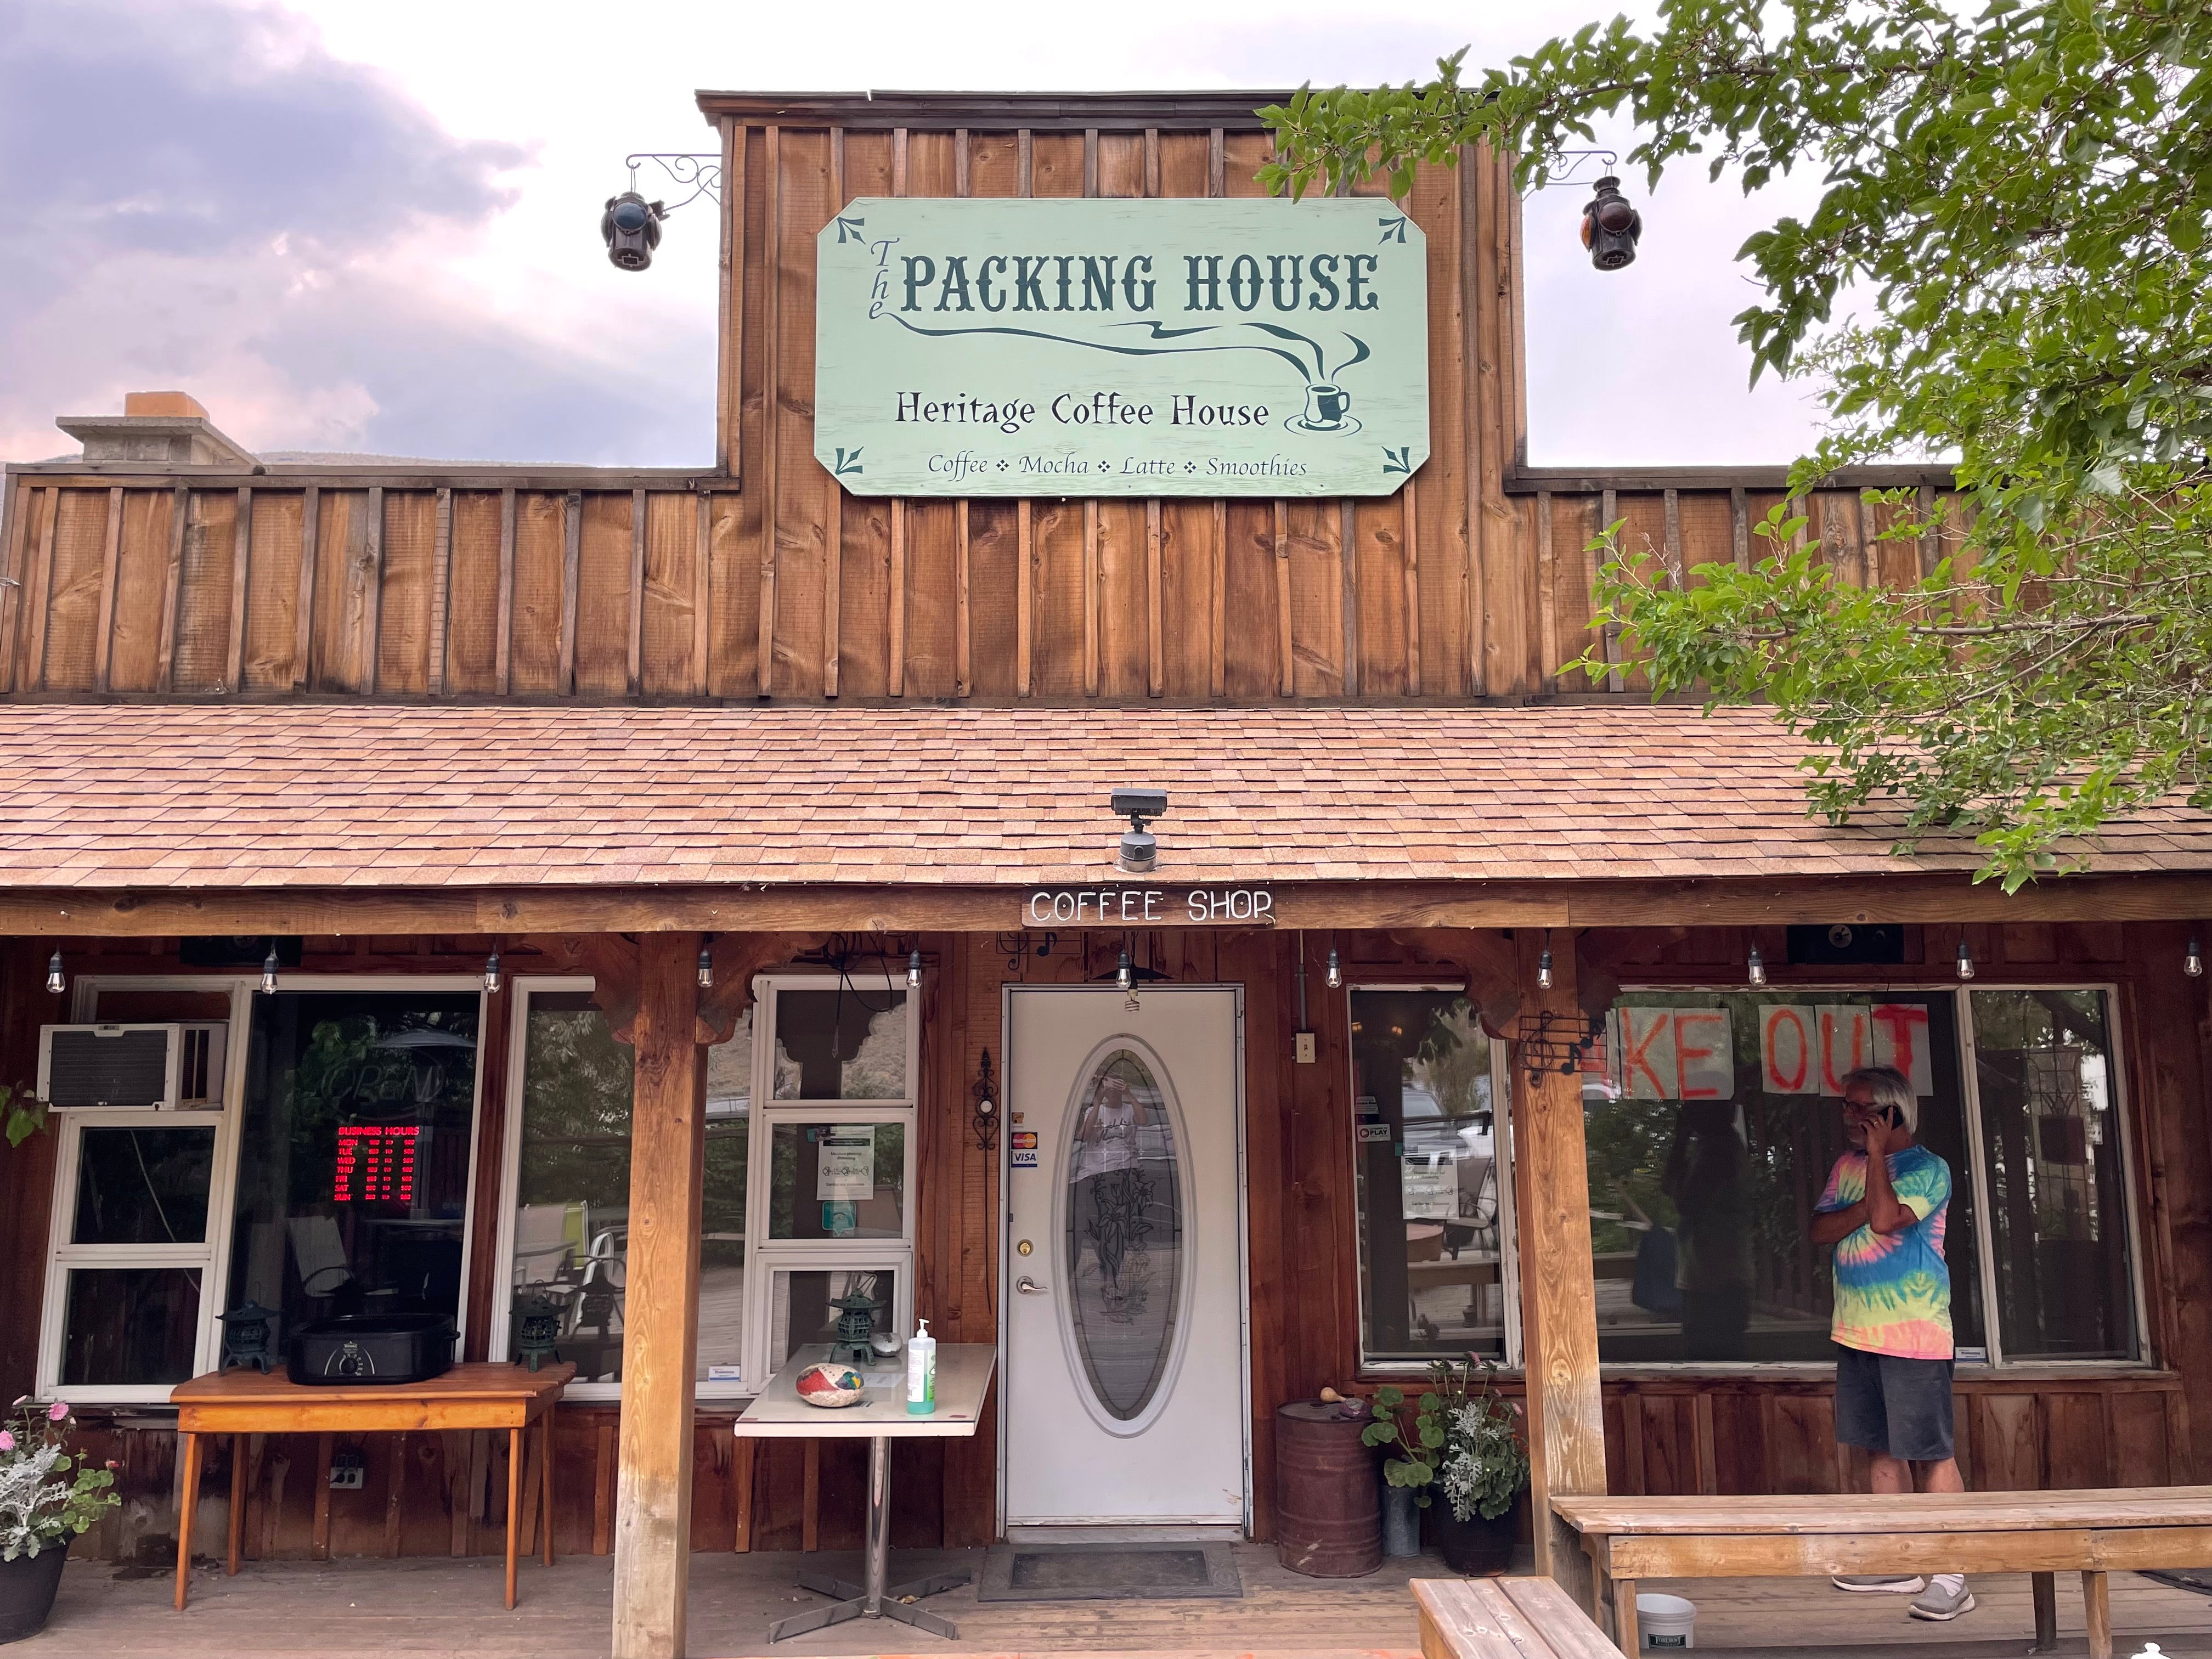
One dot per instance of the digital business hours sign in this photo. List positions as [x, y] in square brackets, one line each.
[1090, 347]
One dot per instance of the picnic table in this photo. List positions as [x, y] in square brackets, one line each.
[1804, 1536]
[480, 1396]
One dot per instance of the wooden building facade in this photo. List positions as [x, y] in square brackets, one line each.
[403, 719]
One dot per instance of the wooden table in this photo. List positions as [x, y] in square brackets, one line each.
[1504, 1618]
[242, 1402]
[2041, 1533]
[963, 1378]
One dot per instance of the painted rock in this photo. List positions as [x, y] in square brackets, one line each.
[830, 1385]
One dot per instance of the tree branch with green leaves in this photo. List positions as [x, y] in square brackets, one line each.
[2020, 198]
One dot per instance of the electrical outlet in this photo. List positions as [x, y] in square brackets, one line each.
[347, 1471]
[1305, 1051]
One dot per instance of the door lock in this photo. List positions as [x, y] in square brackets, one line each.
[1027, 1287]
[1024, 1247]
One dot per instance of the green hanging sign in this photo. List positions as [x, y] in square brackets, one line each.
[1013, 346]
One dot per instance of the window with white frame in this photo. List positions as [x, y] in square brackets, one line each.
[329, 1172]
[809, 1162]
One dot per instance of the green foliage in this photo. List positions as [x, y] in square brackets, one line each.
[26, 1113]
[1464, 1437]
[2024, 191]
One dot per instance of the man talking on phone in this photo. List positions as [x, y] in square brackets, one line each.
[1884, 1211]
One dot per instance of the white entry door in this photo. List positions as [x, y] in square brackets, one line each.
[1124, 1390]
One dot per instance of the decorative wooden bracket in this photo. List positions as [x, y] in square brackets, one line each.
[737, 958]
[611, 961]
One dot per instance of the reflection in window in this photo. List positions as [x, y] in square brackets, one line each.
[572, 1185]
[129, 1326]
[802, 1311]
[837, 1180]
[1712, 1120]
[2057, 1199]
[352, 1175]
[138, 1186]
[1428, 1176]
[844, 1043]
[1125, 1232]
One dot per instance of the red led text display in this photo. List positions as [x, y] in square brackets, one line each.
[376, 1164]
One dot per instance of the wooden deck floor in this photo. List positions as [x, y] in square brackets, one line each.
[344, 1609]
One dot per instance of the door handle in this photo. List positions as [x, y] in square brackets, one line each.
[1027, 1287]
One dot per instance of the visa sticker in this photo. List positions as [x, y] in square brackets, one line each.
[1025, 1160]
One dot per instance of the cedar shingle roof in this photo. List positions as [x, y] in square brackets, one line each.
[361, 795]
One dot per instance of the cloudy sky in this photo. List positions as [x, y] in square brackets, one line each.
[354, 226]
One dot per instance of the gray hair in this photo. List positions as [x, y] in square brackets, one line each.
[1889, 1087]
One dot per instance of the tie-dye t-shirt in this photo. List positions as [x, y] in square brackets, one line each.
[1893, 1291]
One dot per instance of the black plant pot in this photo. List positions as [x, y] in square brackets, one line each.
[27, 1585]
[1475, 1547]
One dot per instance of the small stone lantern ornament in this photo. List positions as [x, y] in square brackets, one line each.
[537, 1330]
[856, 1327]
[245, 1337]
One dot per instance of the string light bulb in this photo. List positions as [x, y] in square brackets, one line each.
[1756, 970]
[706, 969]
[1125, 975]
[2193, 960]
[1335, 972]
[55, 982]
[1544, 971]
[914, 971]
[1966, 959]
[491, 979]
[268, 967]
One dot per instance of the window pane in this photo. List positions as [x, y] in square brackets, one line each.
[2057, 1198]
[837, 1180]
[353, 1179]
[142, 1185]
[799, 1313]
[841, 1044]
[1712, 1120]
[572, 1188]
[1431, 1264]
[129, 1326]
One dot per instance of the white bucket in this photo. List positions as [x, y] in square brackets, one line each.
[1664, 1623]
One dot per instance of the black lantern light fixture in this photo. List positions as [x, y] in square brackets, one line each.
[1140, 854]
[56, 983]
[984, 1119]
[630, 225]
[1611, 226]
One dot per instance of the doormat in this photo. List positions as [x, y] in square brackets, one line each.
[1109, 1572]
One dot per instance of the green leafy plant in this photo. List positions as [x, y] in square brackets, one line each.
[2016, 198]
[26, 1113]
[46, 1496]
[1466, 1437]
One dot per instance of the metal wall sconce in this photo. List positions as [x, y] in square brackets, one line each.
[985, 1117]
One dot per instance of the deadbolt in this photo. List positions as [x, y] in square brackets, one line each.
[1024, 1247]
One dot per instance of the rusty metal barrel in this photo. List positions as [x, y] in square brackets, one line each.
[1328, 1500]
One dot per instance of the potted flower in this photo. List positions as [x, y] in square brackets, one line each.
[1466, 1441]
[46, 1498]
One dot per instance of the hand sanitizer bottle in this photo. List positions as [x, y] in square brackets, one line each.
[921, 1372]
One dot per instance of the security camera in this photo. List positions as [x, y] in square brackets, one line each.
[1140, 854]
[1611, 226]
[631, 230]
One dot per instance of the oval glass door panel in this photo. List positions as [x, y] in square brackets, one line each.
[1125, 1233]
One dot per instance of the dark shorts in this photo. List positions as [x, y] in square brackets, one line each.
[1887, 1404]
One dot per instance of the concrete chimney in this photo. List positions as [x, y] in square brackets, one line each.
[167, 428]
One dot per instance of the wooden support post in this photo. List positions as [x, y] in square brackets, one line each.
[653, 1497]
[1559, 1301]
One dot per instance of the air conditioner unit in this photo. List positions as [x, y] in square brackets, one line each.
[133, 1066]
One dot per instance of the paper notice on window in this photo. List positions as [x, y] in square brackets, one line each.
[845, 1169]
[1431, 1186]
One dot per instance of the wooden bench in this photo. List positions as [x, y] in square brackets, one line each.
[2041, 1533]
[1504, 1618]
